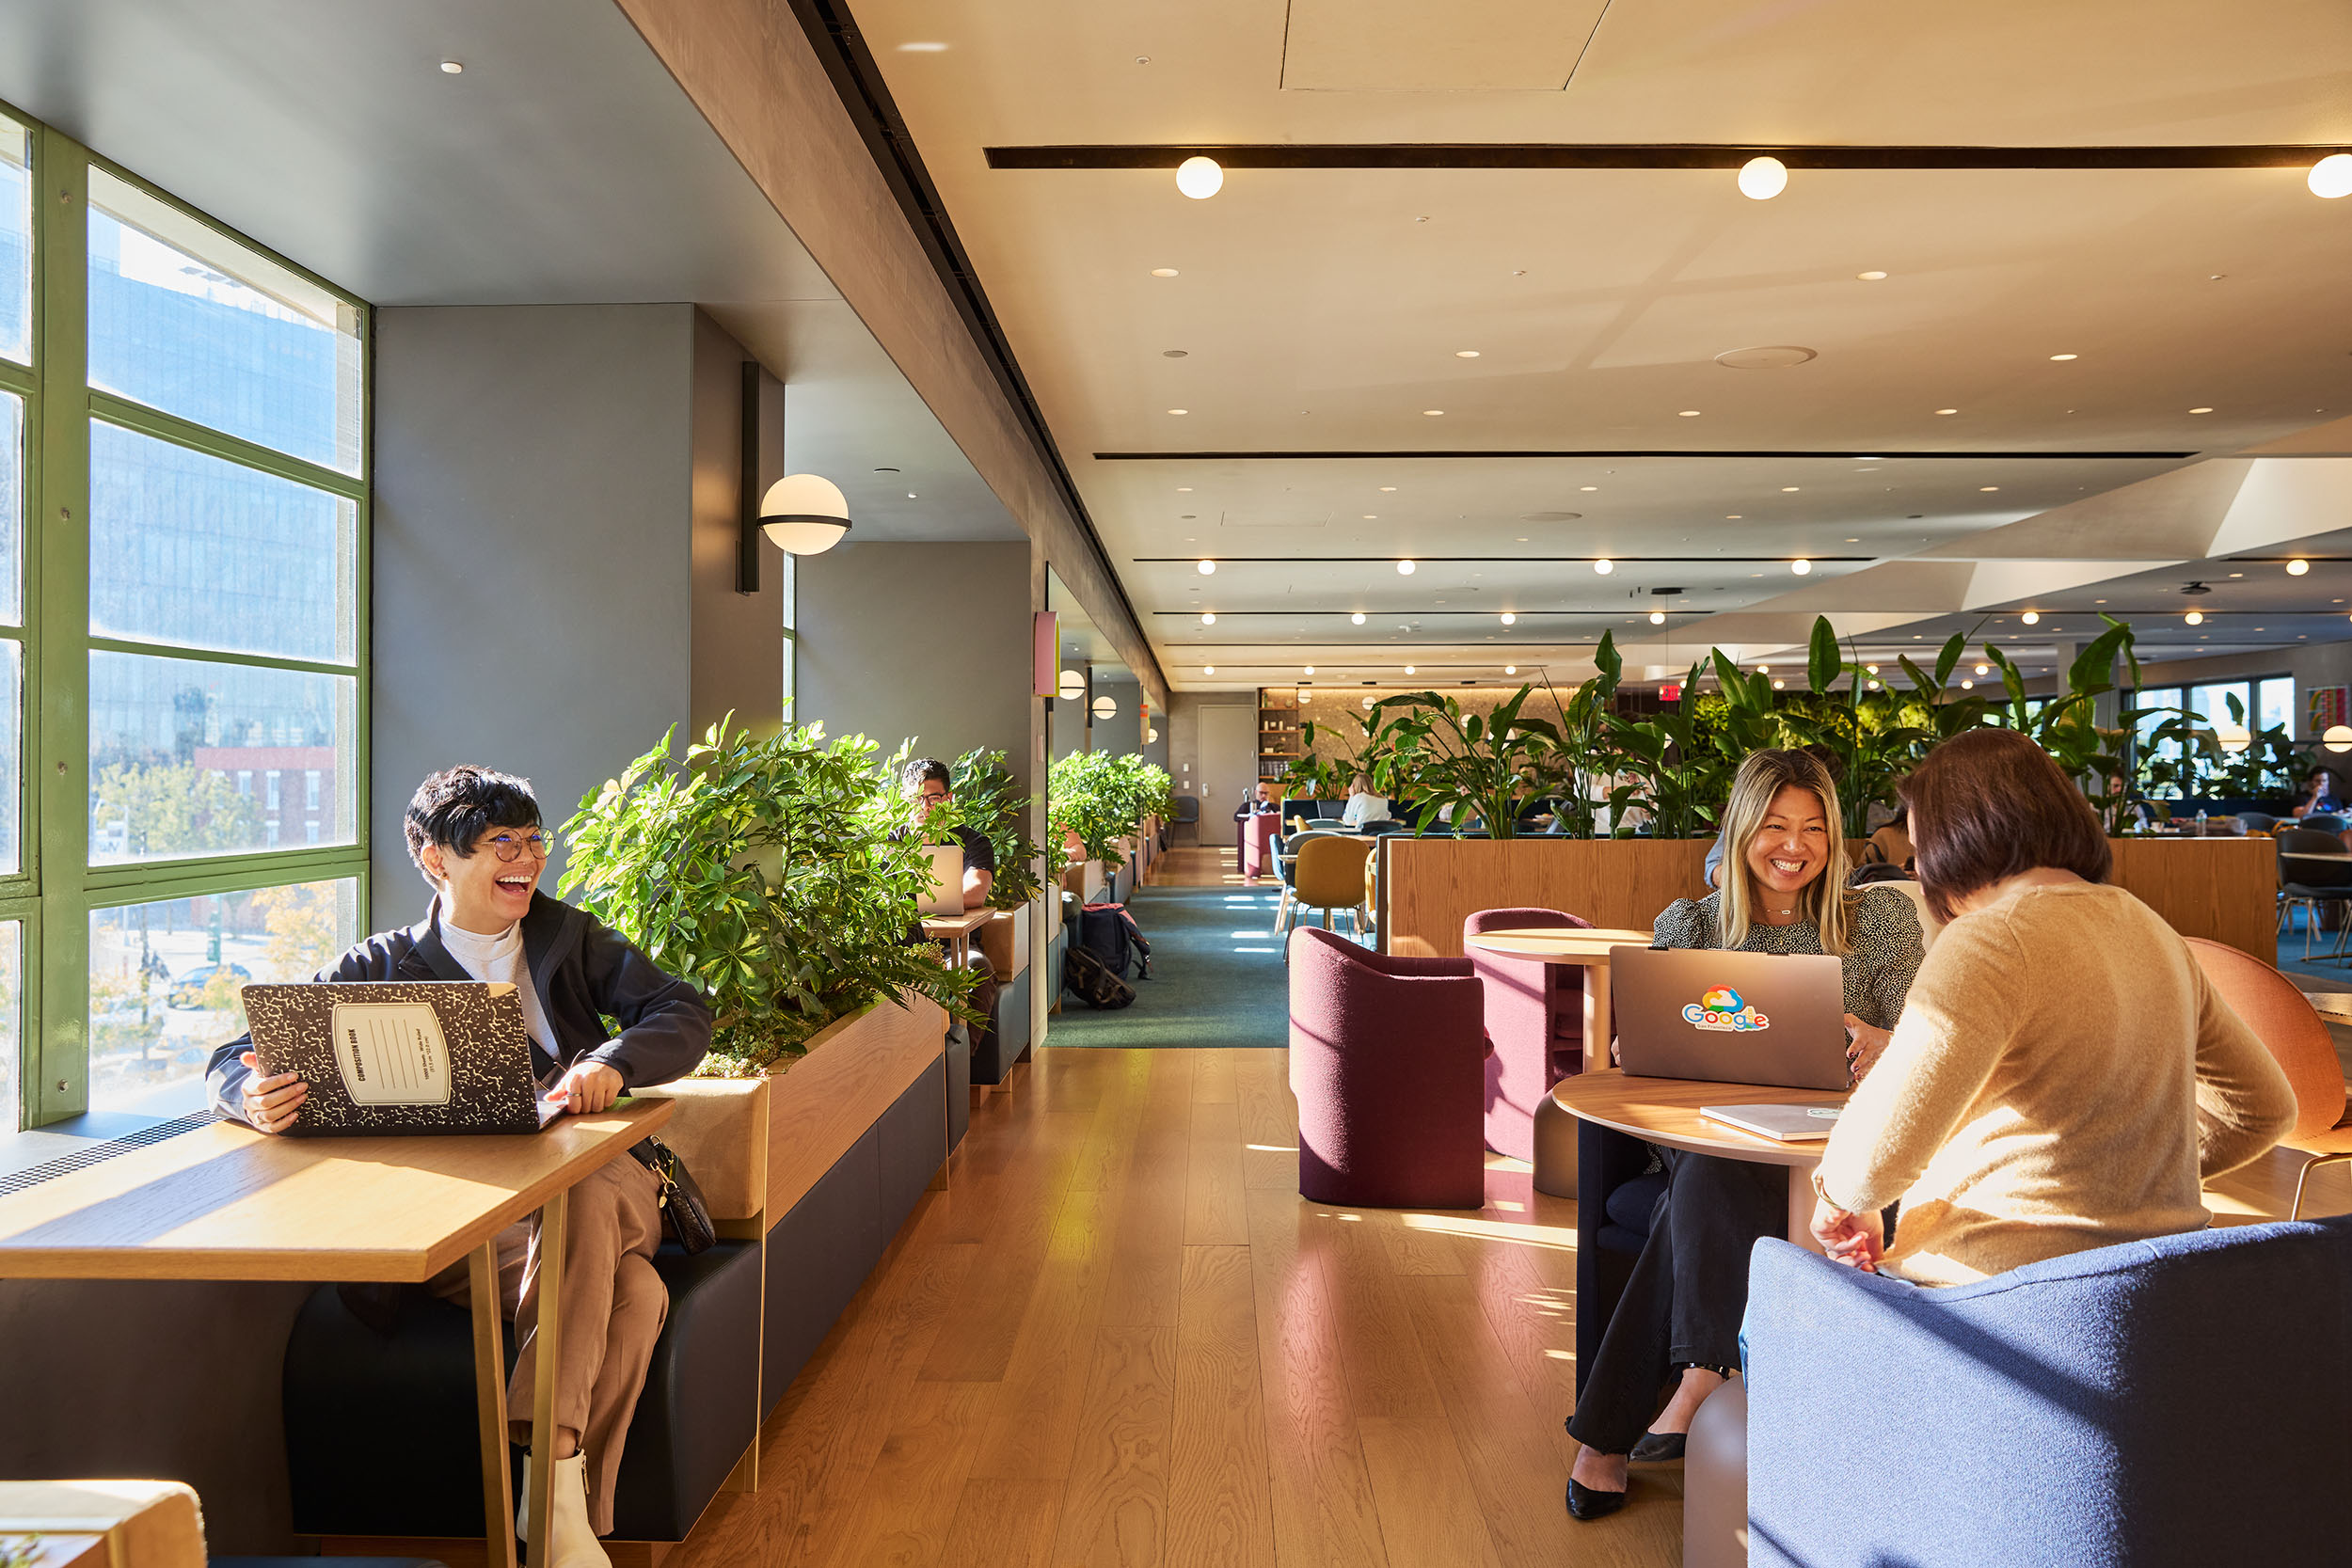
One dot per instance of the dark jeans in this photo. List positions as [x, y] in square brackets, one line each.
[1688, 1294]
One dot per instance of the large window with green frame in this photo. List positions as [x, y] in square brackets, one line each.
[184, 511]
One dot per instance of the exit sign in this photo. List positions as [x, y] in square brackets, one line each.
[1670, 692]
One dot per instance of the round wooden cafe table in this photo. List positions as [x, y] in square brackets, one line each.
[1666, 1111]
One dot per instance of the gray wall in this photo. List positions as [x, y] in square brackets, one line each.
[532, 592]
[928, 640]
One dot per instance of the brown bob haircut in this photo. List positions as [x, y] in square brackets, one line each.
[1990, 804]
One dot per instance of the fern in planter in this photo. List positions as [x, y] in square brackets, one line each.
[991, 801]
[766, 871]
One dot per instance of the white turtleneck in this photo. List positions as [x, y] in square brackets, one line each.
[500, 959]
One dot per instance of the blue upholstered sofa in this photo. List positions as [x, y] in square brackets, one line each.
[2185, 1399]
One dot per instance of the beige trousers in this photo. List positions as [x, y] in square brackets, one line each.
[613, 1310]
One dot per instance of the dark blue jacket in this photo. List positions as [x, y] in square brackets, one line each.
[585, 972]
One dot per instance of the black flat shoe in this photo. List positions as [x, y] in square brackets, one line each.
[1657, 1447]
[1585, 1503]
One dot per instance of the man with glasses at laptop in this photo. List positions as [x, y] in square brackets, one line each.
[475, 836]
[927, 783]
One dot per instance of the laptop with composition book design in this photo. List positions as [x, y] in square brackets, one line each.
[1730, 1017]
[400, 1056]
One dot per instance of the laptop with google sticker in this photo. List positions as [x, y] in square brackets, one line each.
[400, 1056]
[1730, 1017]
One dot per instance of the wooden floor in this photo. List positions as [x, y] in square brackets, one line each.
[1119, 1336]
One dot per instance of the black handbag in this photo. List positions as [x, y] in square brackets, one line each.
[685, 1216]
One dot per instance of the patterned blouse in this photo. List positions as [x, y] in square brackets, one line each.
[1884, 945]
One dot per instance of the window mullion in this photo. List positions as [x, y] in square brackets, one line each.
[58, 578]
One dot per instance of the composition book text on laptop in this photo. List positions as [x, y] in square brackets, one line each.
[400, 1056]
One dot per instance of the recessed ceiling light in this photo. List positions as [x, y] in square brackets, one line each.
[1509, 619]
[1432, 413]
[1871, 277]
[2031, 617]
[1763, 669]
[1183, 489]
[1984, 669]
[1208, 617]
[1408, 669]
[2236, 575]
[2294, 569]
[1199, 178]
[2065, 356]
[1803, 569]
[2331, 177]
[1510, 669]
[1789, 490]
[1405, 568]
[1967, 686]
[1208, 669]
[2195, 617]
[1854, 541]
[1870, 669]
[1947, 410]
[1386, 488]
[1762, 179]
[1522, 538]
[922, 49]
[1357, 618]
[453, 68]
[2201, 410]
[1464, 353]
[1180, 410]
[1604, 566]
[1988, 489]
[1777, 685]
[913, 497]
[1731, 516]
[1689, 413]
[1163, 271]
[1207, 568]
[1657, 617]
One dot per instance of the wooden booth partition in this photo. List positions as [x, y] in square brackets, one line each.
[1429, 886]
[2224, 889]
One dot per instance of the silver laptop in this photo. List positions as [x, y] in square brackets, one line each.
[946, 895]
[1730, 1018]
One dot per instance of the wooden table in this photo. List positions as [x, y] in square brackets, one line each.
[1566, 944]
[2333, 1006]
[1666, 1111]
[225, 1203]
[957, 930]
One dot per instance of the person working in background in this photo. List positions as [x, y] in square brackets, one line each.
[2320, 796]
[475, 836]
[1363, 804]
[927, 783]
[1783, 892]
[1256, 802]
[2064, 1077]
[1891, 844]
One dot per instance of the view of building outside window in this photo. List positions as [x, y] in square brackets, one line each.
[164, 981]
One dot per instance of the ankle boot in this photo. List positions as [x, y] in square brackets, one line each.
[570, 1542]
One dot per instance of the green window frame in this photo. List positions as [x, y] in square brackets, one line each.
[57, 887]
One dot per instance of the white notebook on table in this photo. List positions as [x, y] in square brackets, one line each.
[1788, 1124]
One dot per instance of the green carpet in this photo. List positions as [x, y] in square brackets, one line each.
[1218, 978]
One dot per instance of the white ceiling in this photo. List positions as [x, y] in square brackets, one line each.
[1323, 310]
[563, 165]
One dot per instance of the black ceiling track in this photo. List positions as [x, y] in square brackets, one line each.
[857, 80]
[1666, 155]
[1657, 453]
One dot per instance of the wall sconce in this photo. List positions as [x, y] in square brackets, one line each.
[1151, 737]
[805, 514]
[1071, 686]
[1105, 707]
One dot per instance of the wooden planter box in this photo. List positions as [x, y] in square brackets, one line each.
[756, 1144]
[1006, 941]
[2221, 888]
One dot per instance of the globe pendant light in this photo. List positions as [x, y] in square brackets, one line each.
[1762, 179]
[1199, 178]
[804, 514]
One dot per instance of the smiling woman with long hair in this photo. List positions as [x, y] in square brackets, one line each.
[1783, 890]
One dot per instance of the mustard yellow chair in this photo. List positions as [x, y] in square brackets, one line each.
[1329, 874]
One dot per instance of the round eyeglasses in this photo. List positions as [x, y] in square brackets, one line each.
[510, 846]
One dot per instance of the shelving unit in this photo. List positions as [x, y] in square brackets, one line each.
[1279, 733]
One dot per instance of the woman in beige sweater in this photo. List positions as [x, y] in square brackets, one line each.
[2062, 1076]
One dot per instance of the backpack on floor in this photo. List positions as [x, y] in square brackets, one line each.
[1087, 977]
[1111, 934]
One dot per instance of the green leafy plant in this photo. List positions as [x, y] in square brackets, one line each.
[992, 802]
[1100, 798]
[2096, 756]
[1423, 745]
[776, 873]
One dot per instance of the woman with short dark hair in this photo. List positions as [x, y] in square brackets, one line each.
[2064, 1077]
[474, 835]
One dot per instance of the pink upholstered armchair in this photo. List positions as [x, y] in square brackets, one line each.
[1535, 1018]
[1257, 843]
[1387, 1055]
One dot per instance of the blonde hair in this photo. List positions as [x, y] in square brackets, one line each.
[1823, 901]
[1360, 784]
